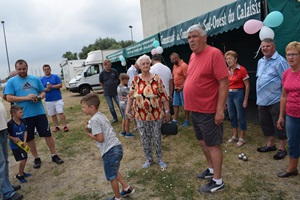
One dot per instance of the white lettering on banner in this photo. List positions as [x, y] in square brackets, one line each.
[247, 10]
[242, 11]
[182, 35]
[168, 39]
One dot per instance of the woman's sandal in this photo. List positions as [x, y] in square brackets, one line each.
[232, 139]
[241, 142]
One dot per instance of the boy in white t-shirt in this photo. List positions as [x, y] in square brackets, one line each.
[100, 129]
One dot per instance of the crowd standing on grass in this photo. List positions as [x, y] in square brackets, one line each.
[237, 100]
[148, 104]
[179, 73]
[100, 130]
[17, 131]
[108, 79]
[205, 93]
[123, 91]
[28, 91]
[53, 98]
[269, 73]
[6, 189]
[289, 116]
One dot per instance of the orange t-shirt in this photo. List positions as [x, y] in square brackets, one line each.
[179, 74]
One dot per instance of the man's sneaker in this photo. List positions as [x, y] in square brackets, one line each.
[147, 164]
[57, 160]
[37, 163]
[185, 123]
[66, 129]
[129, 191]
[174, 122]
[211, 187]
[21, 178]
[115, 121]
[16, 196]
[129, 135]
[56, 129]
[26, 174]
[205, 174]
[123, 133]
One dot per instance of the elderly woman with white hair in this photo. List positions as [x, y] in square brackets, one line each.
[148, 104]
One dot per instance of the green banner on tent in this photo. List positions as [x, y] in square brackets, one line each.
[141, 47]
[226, 18]
[115, 57]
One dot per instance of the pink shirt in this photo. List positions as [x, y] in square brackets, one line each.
[202, 83]
[291, 84]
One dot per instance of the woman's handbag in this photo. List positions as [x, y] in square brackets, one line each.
[169, 129]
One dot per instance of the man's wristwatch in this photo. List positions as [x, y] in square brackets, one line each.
[38, 97]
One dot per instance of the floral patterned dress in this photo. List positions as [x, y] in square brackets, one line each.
[148, 98]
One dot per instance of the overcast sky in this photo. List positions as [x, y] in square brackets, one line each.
[42, 31]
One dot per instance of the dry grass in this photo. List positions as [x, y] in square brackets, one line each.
[81, 177]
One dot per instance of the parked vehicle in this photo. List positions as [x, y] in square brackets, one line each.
[88, 80]
[71, 69]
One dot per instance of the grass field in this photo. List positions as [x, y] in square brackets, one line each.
[81, 177]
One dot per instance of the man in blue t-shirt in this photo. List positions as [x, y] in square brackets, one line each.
[53, 99]
[28, 91]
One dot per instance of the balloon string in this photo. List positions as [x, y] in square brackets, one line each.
[257, 51]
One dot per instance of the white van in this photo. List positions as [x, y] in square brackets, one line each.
[89, 78]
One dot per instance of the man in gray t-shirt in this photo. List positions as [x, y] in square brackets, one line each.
[108, 79]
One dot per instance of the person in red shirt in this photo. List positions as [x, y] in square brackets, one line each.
[237, 101]
[205, 93]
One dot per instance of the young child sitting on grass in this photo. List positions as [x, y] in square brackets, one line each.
[123, 91]
[17, 130]
[100, 129]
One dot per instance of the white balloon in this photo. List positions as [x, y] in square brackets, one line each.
[123, 63]
[159, 50]
[266, 32]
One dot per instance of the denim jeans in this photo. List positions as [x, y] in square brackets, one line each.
[236, 111]
[6, 189]
[292, 125]
[109, 100]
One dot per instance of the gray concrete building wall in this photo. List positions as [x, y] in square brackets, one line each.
[158, 15]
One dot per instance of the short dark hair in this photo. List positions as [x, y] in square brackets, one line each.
[15, 108]
[21, 62]
[46, 65]
[91, 99]
[157, 57]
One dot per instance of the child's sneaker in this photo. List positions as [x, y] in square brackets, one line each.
[129, 191]
[123, 133]
[26, 174]
[56, 129]
[21, 178]
[173, 122]
[66, 129]
[147, 164]
[129, 135]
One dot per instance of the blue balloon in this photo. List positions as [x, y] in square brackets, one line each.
[273, 19]
[155, 43]
[122, 59]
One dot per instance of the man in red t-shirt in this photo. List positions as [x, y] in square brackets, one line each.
[205, 94]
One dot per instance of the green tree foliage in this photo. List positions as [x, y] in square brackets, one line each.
[100, 44]
[70, 56]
